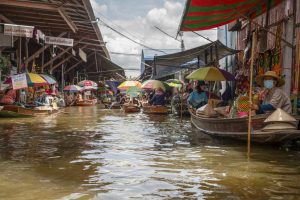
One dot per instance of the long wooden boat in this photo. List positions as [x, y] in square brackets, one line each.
[155, 109]
[18, 111]
[11, 114]
[237, 128]
[130, 108]
[86, 102]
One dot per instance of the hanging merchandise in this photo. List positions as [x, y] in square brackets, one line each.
[276, 62]
[277, 51]
[260, 64]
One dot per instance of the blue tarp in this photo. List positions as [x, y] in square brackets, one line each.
[113, 85]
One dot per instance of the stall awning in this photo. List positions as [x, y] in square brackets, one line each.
[207, 14]
[192, 58]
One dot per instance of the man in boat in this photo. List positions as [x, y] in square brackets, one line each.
[158, 98]
[198, 97]
[273, 96]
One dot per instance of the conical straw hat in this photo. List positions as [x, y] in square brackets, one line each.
[279, 126]
[280, 116]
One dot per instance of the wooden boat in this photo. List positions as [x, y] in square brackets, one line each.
[114, 105]
[86, 102]
[130, 108]
[18, 111]
[237, 128]
[155, 109]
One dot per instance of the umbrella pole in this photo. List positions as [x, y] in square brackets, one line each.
[181, 104]
[250, 91]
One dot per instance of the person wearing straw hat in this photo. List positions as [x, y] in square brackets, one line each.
[275, 97]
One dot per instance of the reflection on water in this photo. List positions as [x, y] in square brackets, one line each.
[89, 153]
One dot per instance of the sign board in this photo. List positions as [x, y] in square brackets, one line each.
[82, 55]
[18, 30]
[19, 81]
[59, 41]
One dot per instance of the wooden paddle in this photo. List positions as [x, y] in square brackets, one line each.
[254, 38]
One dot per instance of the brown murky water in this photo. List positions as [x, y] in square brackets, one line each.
[89, 153]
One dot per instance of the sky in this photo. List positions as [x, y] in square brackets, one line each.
[137, 20]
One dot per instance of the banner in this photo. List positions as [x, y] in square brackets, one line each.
[19, 81]
[59, 41]
[18, 30]
[82, 55]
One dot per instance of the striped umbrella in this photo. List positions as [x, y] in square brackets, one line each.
[206, 14]
[174, 83]
[128, 84]
[33, 80]
[72, 88]
[51, 80]
[152, 85]
[88, 83]
[211, 74]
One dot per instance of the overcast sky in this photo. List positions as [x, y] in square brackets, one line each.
[137, 19]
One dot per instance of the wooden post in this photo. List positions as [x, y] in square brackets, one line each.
[250, 90]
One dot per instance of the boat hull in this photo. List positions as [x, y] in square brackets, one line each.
[237, 128]
[18, 111]
[130, 108]
[86, 103]
[155, 110]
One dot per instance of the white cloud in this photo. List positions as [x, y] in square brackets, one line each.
[98, 8]
[142, 29]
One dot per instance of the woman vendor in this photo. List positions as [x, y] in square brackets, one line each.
[273, 96]
[198, 97]
[159, 98]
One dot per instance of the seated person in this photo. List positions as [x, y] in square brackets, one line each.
[79, 97]
[158, 98]
[274, 97]
[9, 97]
[198, 97]
[42, 98]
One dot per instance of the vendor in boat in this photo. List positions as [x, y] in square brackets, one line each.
[273, 96]
[176, 99]
[198, 97]
[158, 98]
[79, 97]
[9, 97]
[42, 99]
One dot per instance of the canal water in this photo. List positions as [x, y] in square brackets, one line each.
[90, 153]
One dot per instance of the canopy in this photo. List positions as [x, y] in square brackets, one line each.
[33, 80]
[113, 85]
[192, 58]
[51, 80]
[207, 14]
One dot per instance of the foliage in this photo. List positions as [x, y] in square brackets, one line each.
[5, 65]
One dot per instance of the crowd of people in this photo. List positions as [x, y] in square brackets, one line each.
[271, 96]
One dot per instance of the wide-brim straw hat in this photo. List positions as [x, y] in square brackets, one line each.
[260, 79]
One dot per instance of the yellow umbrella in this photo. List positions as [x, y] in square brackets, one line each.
[211, 74]
[127, 84]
